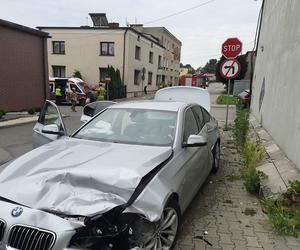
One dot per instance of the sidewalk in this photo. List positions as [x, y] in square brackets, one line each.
[279, 169]
[20, 118]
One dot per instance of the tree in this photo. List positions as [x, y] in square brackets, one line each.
[77, 74]
[210, 66]
[115, 82]
[244, 65]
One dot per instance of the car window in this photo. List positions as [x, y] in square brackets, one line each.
[206, 115]
[132, 126]
[50, 115]
[199, 116]
[76, 88]
[190, 125]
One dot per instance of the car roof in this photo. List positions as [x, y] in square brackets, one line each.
[152, 105]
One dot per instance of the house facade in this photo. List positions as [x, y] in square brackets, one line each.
[276, 88]
[170, 68]
[138, 56]
[23, 70]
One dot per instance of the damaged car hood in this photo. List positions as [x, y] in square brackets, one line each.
[79, 177]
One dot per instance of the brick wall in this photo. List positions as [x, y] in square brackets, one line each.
[23, 74]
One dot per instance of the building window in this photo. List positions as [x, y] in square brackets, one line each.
[103, 74]
[139, 38]
[150, 74]
[137, 77]
[159, 62]
[150, 57]
[59, 71]
[58, 47]
[137, 52]
[107, 48]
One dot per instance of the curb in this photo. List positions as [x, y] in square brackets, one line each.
[279, 169]
[18, 121]
[21, 121]
[221, 106]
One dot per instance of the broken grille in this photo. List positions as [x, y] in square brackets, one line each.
[29, 238]
[2, 228]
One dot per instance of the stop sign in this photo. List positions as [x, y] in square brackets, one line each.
[231, 48]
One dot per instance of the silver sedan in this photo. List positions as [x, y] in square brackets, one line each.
[122, 181]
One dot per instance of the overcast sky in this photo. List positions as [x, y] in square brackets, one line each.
[201, 30]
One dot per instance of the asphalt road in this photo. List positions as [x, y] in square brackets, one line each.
[15, 141]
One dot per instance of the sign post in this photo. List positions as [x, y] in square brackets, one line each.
[231, 67]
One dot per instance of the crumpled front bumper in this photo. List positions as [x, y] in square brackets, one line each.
[62, 229]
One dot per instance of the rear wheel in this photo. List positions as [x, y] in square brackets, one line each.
[216, 155]
[167, 232]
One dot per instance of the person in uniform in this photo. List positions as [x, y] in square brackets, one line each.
[58, 95]
[73, 97]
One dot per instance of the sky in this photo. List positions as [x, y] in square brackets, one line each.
[202, 28]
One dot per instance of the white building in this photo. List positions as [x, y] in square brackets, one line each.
[276, 86]
[170, 68]
[138, 56]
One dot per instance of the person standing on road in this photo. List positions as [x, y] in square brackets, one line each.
[58, 95]
[89, 96]
[73, 97]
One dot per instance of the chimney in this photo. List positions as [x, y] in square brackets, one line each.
[114, 25]
[99, 19]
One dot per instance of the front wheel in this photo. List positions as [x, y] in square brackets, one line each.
[216, 156]
[167, 232]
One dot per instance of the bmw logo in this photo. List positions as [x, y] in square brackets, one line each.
[17, 211]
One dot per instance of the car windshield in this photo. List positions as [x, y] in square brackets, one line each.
[132, 126]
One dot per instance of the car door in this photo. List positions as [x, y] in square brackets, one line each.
[202, 123]
[210, 127]
[50, 117]
[195, 158]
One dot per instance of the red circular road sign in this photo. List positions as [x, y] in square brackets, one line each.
[230, 68]
[231, 48]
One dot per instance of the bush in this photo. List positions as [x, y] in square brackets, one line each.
[77, 74]
[241, 128]
[253, 153]
[222, 99]
[2, 112]
[31, 111]
[283, 213]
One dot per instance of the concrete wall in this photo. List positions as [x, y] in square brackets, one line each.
[171, 56]
[276, 86]
[82, 52]
[132, 64]
[23, 81]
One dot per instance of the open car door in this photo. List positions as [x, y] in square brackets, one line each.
[50, 125]
[195, 95]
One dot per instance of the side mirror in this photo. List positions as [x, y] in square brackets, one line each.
[196, 141]
[52, 129]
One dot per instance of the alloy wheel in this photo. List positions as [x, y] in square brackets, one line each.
[165, 234]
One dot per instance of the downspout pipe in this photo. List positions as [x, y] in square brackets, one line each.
[257, 36]
[124, 51]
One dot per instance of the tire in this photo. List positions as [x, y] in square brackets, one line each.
[216, 155]
[166, 230]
